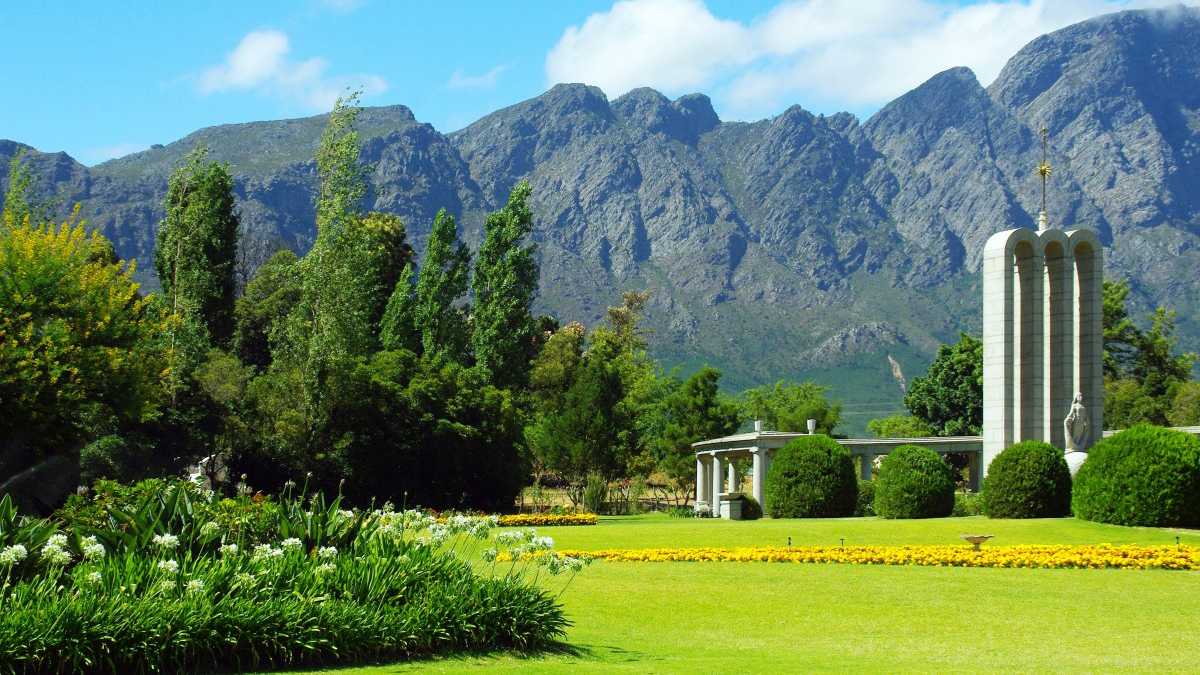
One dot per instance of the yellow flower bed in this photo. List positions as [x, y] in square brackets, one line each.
[1044, 556]
[547, 519]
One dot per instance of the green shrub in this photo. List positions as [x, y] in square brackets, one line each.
[238, 612]
[811, 477]
[1145, 475]
[1028, 480]
[751, 509]
[914, 482]
[967, 504]
[145, 580]
[866, 498]
[595, 493]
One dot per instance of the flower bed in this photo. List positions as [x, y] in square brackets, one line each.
[1053, 557]
[157, 588]
[548, 519]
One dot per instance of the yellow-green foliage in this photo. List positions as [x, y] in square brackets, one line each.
[71, 322]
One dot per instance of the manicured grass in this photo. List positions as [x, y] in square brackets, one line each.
[657, 530]
[772, 617]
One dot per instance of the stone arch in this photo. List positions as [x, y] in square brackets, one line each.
[1059, 322]
[1012, 336]
[1088, 372]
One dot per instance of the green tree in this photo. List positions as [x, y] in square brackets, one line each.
[1142, 369]
[788, 407]
[388, 255]
[949, 398]
[332, 325]
[77, 344]
[592, 432]
[441, 283]
[1121, 335]
[397, 329]
[694, 412]
[196, 244]
[505, 284]
[270, 296]
[19, 208]
[899, 426]
[1185, 405]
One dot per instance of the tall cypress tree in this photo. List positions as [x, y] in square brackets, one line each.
[442, 281]
[196, 245]
[505, 285]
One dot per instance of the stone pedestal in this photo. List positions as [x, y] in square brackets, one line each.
[1074, 461]
[731, 506]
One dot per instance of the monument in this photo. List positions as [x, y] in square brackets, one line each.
[1043, 340]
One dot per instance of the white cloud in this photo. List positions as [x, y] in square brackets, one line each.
[461, 80]
[850, 53]
[260, 62]
[670, 44]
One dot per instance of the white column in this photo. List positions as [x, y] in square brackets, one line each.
[731, 480]
[866, 462]
[699, 480]
[758, 474]
[716, 486]
[975, 471]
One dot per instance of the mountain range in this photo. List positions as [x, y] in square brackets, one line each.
[801, 246]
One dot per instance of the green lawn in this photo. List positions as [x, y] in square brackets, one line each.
[771, 617]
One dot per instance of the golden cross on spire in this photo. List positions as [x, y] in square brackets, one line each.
[1044, 172]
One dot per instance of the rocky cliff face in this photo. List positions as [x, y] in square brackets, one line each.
[799, 245]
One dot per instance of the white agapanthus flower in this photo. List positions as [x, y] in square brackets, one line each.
[210, 528]
[195, 586]
[228, 549]
[168, 566]
[94, 577]
[13, 554]
[266, 551]
[489, 555]
[166, 585]
[93, 551]
[291, 543]
[326, 568]
[54, 553]
[166, 540]
[327, 552]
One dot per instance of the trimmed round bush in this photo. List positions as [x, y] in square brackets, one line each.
[811, 477]
[1028, 480]
[1145, 475]
[914, 482]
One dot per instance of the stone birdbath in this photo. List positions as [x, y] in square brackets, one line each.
[977, 539]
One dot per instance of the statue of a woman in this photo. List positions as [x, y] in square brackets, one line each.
[1075, 426]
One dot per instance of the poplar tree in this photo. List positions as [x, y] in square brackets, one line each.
[442, 281]
[332, 324]
[505, 284]
[196, 245]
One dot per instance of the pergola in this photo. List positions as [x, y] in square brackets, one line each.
[760, 446]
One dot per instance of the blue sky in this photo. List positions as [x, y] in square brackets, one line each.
[102, 79]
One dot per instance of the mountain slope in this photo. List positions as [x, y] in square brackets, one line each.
[802, 245]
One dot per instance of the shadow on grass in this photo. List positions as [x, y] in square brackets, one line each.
[553, 649]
